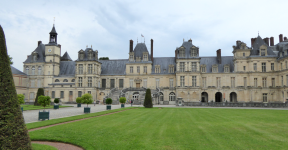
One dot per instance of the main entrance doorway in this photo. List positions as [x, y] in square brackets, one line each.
[233, 97]
[137, 85]
[218, 97]
[204, 97]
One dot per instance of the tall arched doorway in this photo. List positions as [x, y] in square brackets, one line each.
[233, 97]
[218, 97]
[135, 96]
[204, 97]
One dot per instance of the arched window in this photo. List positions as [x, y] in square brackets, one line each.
[27, 70]
[57, 80]
[73, 80]
[39, 70]
[172, 96]
[65, 80]
[161, 97]
[33, 70]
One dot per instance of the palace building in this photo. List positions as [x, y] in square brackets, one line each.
[256, 73]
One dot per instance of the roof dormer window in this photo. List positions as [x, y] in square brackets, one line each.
[90, 55]
[182, 52]
[262, 52]
[157, 69]
[145, 58]
[81, 55]
[215, 68]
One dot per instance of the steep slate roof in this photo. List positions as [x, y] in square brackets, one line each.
[66, 57]
[256, 45]
[113, 67]
[187, 45]
[67, 68]
[281, 47]
[41, 54]
[210, 61]
[139, 49]
[164, 63]
[16, 71]
[86, 55]
[53, 30]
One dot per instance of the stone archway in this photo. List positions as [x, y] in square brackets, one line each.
[233, 97]
[204, 97]
[218, 97]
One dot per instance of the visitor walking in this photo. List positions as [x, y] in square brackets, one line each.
[131, 102]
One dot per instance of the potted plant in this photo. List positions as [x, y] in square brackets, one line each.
[56, 101]
[122, 101]
[44, 101]
[108, 102]
[78, 101]
[87, 99]
[21, 100]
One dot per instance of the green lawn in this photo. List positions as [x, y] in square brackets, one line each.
[36, 146]
[176, 128]
[32, 107]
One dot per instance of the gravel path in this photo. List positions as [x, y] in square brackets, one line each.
[59, 146]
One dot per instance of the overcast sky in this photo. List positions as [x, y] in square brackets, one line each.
[109, 25]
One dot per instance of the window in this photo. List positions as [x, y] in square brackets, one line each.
[204, 82]
[214, 69]
[182, 53]
[263, 67]
[80, 69]
[145, 83]
[264, 97]
[182, 66]
[171, 69]
[281, 67]
[244, 68]
[145, 69]
[39, 83]
[79, 81]
[262, 52]
[273, 82]
[27, 70]
[245, 82]
[48, 72]
[194, 67]
[53, 94]
[62, 94]
[89, 81]
[232, 82]
[131, 58]
[33, 70]
[157, 69]
[120, 83]
[40, 70]
[226, 69]
[145, 58]
[243, 54]
[282, 82]
[112, 83]
[172, 96]
[90, 55]
[255, 66]
[89, 92]
[90, 68]
[193, 81]
[255, 82]
[272, 66]
[103, 83]
[218, 79]
[57, 80]
[32, 83]
[79, 93]
[131, 82]
[264, 82]
[73, 80]
[193, 53]
[131, 69]
[171, 81]
[65, 80]
[182, 81]
[31, 95]
[161, 97]
[157, 83]
[138, 69]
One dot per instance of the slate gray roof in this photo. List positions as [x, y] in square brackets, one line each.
[139, 49]
[113, 67]
[66, 57]
[210, 61]
[40, 57]
[67, 68]
[164, 63]
[53, 30]
[187, 45]
[281, 47]
[256, 45]
[86, 55]
[16, 71]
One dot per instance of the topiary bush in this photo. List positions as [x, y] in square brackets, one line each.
[148, 99]
[56, 100]
[87, 99]
[79, 100]
[108, 101]
[21, 98]
[44, 101]
[39, 93]
[122, 100]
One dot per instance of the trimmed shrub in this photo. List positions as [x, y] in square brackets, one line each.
[56, 100]
[39, 93]
[108, 101]
[14, 134]
[79, 100]
[21, 98]
[44, 101]
[87, 99]
[122, 100]
[148, 99]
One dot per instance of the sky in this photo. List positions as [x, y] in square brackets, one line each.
[109, 25]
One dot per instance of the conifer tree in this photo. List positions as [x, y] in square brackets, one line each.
[148, 99]
[13, 131]
[39, 93]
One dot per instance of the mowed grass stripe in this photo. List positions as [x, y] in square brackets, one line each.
[175, 128]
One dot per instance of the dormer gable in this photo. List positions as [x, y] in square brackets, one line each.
[81, 54]
[263, 50]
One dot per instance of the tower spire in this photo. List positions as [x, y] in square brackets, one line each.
[54, 22]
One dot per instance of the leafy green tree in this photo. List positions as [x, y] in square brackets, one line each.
[10, 60]
[87, 99]
[44, 101]
[39, 93]
[56, 100]
[122, 100]
[79, 100]
[13, 131]
[148, 99]
[108, 101]
[21, 98]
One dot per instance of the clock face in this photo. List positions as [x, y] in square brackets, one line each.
[49, 50]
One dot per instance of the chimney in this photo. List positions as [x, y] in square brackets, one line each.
[285, 38]
[39, 42]
[252, 41]
[131, 46]
[152, 50]
[219, 56]
[280, 38]
[271, 41]
[266, 40]
[190, 40]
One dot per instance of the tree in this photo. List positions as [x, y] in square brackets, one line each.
[21, 98]
[148, 99]
[87, 99]
[104, 58]
[14, 134]
[44, 101]
[39, 93]
[122, 100]
[79, 100]
[10, 60]
[108, 101]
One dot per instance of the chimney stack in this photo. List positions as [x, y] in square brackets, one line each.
[131, 46]
[252, 41]
[219, 56]
[152, 50]
[280, 38]
[39, 42]
[190, 40]
[271, 41]
[266, 40]
[285, 38]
